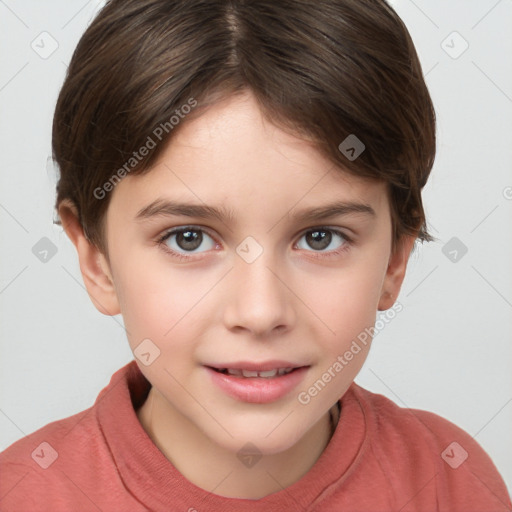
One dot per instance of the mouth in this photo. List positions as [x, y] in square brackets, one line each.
[257, 382]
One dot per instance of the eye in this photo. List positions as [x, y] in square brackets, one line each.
[321, 238]
[187, 239]
[184, 241]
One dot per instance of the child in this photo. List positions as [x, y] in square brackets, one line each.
[242, 182]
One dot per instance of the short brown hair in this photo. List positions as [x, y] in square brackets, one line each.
[323, 69]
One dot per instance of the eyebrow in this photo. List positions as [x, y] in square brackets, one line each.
[164, 207]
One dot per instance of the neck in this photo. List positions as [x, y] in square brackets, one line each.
[210, 467]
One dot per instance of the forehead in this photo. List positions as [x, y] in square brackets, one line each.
[231, 154]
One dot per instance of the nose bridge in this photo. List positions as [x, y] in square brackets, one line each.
[261, 301]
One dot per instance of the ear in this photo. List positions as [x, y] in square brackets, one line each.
[395, 272]
[94, 266]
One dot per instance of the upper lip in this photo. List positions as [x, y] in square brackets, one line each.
[255, 367]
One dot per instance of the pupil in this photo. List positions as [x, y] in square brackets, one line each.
[319, 239]
[189, 240]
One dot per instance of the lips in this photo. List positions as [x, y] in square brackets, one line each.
[257, 382]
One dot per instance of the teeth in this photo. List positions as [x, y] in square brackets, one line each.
[251, 373]
[268, 373]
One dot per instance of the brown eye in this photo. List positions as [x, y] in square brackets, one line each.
[187, 240]
[320, 239]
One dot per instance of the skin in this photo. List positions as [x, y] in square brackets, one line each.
[290, 303]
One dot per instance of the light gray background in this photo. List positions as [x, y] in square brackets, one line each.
[450, 349]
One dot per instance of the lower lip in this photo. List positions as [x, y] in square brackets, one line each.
[258, 390]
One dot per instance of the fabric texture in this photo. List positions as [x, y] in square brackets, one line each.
[381, 458]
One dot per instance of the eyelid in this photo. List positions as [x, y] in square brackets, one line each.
[336, 229]
[183, 227]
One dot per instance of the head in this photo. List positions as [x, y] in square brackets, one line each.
[240, 110]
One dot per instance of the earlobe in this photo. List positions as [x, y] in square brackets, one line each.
[395, 272]
[94, 267]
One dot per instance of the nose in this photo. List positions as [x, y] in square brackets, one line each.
[260, 300]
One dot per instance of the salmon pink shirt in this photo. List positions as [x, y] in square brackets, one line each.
[381, 458]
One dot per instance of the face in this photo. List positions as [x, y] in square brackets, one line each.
[265, 285]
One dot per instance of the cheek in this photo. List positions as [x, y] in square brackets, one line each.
[160, 304]
[346, 301]
[348, 312]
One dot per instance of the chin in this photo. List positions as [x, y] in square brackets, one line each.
[268, 441]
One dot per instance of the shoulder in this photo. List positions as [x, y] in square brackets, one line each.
[69, 464]
[37, 465]
[37, 447]
[423, 447]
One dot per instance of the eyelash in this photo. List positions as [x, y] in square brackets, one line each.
[319, 255]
